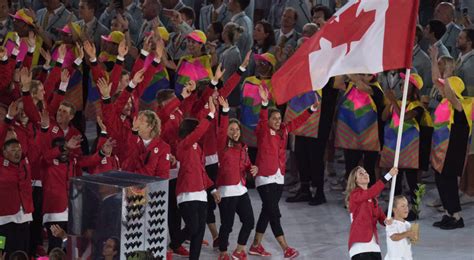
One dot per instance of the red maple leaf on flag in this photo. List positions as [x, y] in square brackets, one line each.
[348, 27]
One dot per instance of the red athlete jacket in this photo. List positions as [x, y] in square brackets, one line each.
[234, 161]
[15, 187]
[192, 176]
[271, 153]
[365, 213]
[153, 160]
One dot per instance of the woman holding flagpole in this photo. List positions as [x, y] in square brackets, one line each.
[452, 130]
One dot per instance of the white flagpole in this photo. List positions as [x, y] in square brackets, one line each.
[399, 141]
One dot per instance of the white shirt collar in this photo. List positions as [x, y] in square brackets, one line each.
[415, 46]
[219, 9]
[462, 57]
[287, 35]
[57, 10]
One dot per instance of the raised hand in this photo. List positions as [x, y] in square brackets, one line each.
[46, 56]
[65, 76]
[135, 124]
[123, 21]
[80, 51]
[212, 107]
[3, 52]
[101, 124]
[123, 48]
[58, 232]
[25, 79]
[62, 51]
[104, 87]
[246, 61]
[160, 49]
[223, 102]
[393, 171]
[13, 109]
[263, 93]
[138, 77]
[219, 73]
[434, 52]
[74, 142]
[108, 146]
[147, 42]
[90, 50]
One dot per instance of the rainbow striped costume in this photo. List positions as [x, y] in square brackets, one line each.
[357, 125]
[443, 119]
[410, 145]
[297, 105]
[190, 68]
[250, 108]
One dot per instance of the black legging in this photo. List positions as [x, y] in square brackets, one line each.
[310, 161]
[174, 216]
[227, 209]
[353, 157]
[194, 216]
[211, 204]
[270, 195]
[368, 256]
[412, 179]
[17, 237]
[36, 226]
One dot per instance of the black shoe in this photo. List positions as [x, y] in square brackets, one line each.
[445, 219]
[453, 224]
[317, 200]
[412, 216]
[299, 197]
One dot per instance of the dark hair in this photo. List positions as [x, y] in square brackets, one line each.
[270, 40]
[70, 105]
[18, 255]
[273, 110]
[243, 3]
[293, 10]
[470, 35]
[10, 142]
[218, 29]
[163, 95]
[92, 4]
[234, 32]
[236, 121]
[187, 126]
[322, 8]
[188, 11]
[419, 33]
[438, 28]
[117, 244]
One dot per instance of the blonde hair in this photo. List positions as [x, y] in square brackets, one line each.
[153, 121]
[449, 63]
[397, 198]
[351, 184]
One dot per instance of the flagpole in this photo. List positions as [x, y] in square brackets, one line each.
[399, 141]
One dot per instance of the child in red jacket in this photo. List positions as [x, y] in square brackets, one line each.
[365, 212]
[234, 163]
[193, 181]
[272, 137]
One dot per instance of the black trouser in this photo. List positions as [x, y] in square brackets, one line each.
[36, 226]
[227, 209]
[310, 160]
[412, 179]
[17, 237]
[368, 256]
[353, 157]
[270, 195]
[194, 216]
[447, 184]
[174, 216]
[211, 204]
[53, 241]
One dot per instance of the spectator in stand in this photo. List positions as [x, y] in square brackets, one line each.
[6, 22]
[239, 17]
[287, 36]
[320, 14]
[51, 18]
[181, 21]
[89, 23]
[216, 43]
[151, 9]
[446, 13]
[168, 5]
[128, 10]
[434, 31]
[309, 30]
[215, 11]
[465, 62]
[422, 62]
[276, 11]
[264, 38]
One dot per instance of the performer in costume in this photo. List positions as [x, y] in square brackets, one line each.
[359, 129]
[451, 136]
[414, 154]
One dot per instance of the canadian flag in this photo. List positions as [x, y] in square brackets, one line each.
[364, 36]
